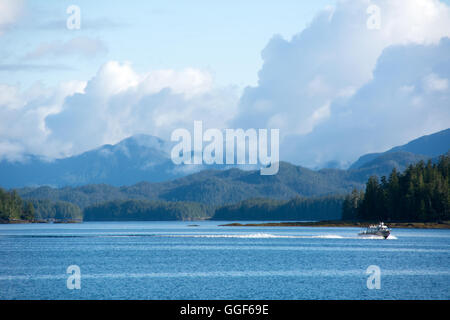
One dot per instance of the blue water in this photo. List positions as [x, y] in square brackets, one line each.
[172, 260]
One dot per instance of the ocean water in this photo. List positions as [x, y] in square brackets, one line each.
[173, 260]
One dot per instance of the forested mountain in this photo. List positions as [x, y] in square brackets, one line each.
[298, 208]
[144, 210]
[420, 193]
[212, 187]
[57, 210]
[138, 158]
[147, 158]
[234, 190]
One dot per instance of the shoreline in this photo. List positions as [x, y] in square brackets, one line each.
[37, 221]
[330, 224]
[393, 225]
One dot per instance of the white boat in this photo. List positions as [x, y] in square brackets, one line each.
[377, 230]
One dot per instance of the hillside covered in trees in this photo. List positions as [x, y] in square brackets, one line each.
[420, 193]
[144, 210]
[253, 209]
[211, 187]
[56, 210]
[12, 207]
[127, 163]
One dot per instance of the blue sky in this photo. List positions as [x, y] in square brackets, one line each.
[336, 87]
[223, 37]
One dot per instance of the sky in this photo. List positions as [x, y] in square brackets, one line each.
[338, 79]
[223, 37]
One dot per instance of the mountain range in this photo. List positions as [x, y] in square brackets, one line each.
[140, 168]
[135, 159]
[213, 187]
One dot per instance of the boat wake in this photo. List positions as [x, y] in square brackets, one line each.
[239, 236]
[328, 236]
[277, 236]
[217, 235]
[262, 236]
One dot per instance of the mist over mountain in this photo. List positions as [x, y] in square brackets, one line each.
[140, 168]
[135, 159]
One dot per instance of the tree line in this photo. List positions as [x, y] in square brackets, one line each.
[12, 207]
[420, 193]
[298, 208]
[57, 210]
[146, 210]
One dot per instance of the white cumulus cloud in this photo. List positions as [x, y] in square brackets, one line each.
[331, 61]
[336, 90]
[116, 103]
[408, 97]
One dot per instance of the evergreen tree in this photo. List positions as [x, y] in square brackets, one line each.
[12, 207]
[420, 193]
[28, 212]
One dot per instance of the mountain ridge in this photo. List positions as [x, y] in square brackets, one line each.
[214, 187]
[425, 147]
[133, 159]
[139, 167]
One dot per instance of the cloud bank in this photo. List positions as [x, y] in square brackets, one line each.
[336, 90]
[304, 80]
[408, 97]
[116, 103]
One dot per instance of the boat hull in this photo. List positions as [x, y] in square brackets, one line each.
[384, 234]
